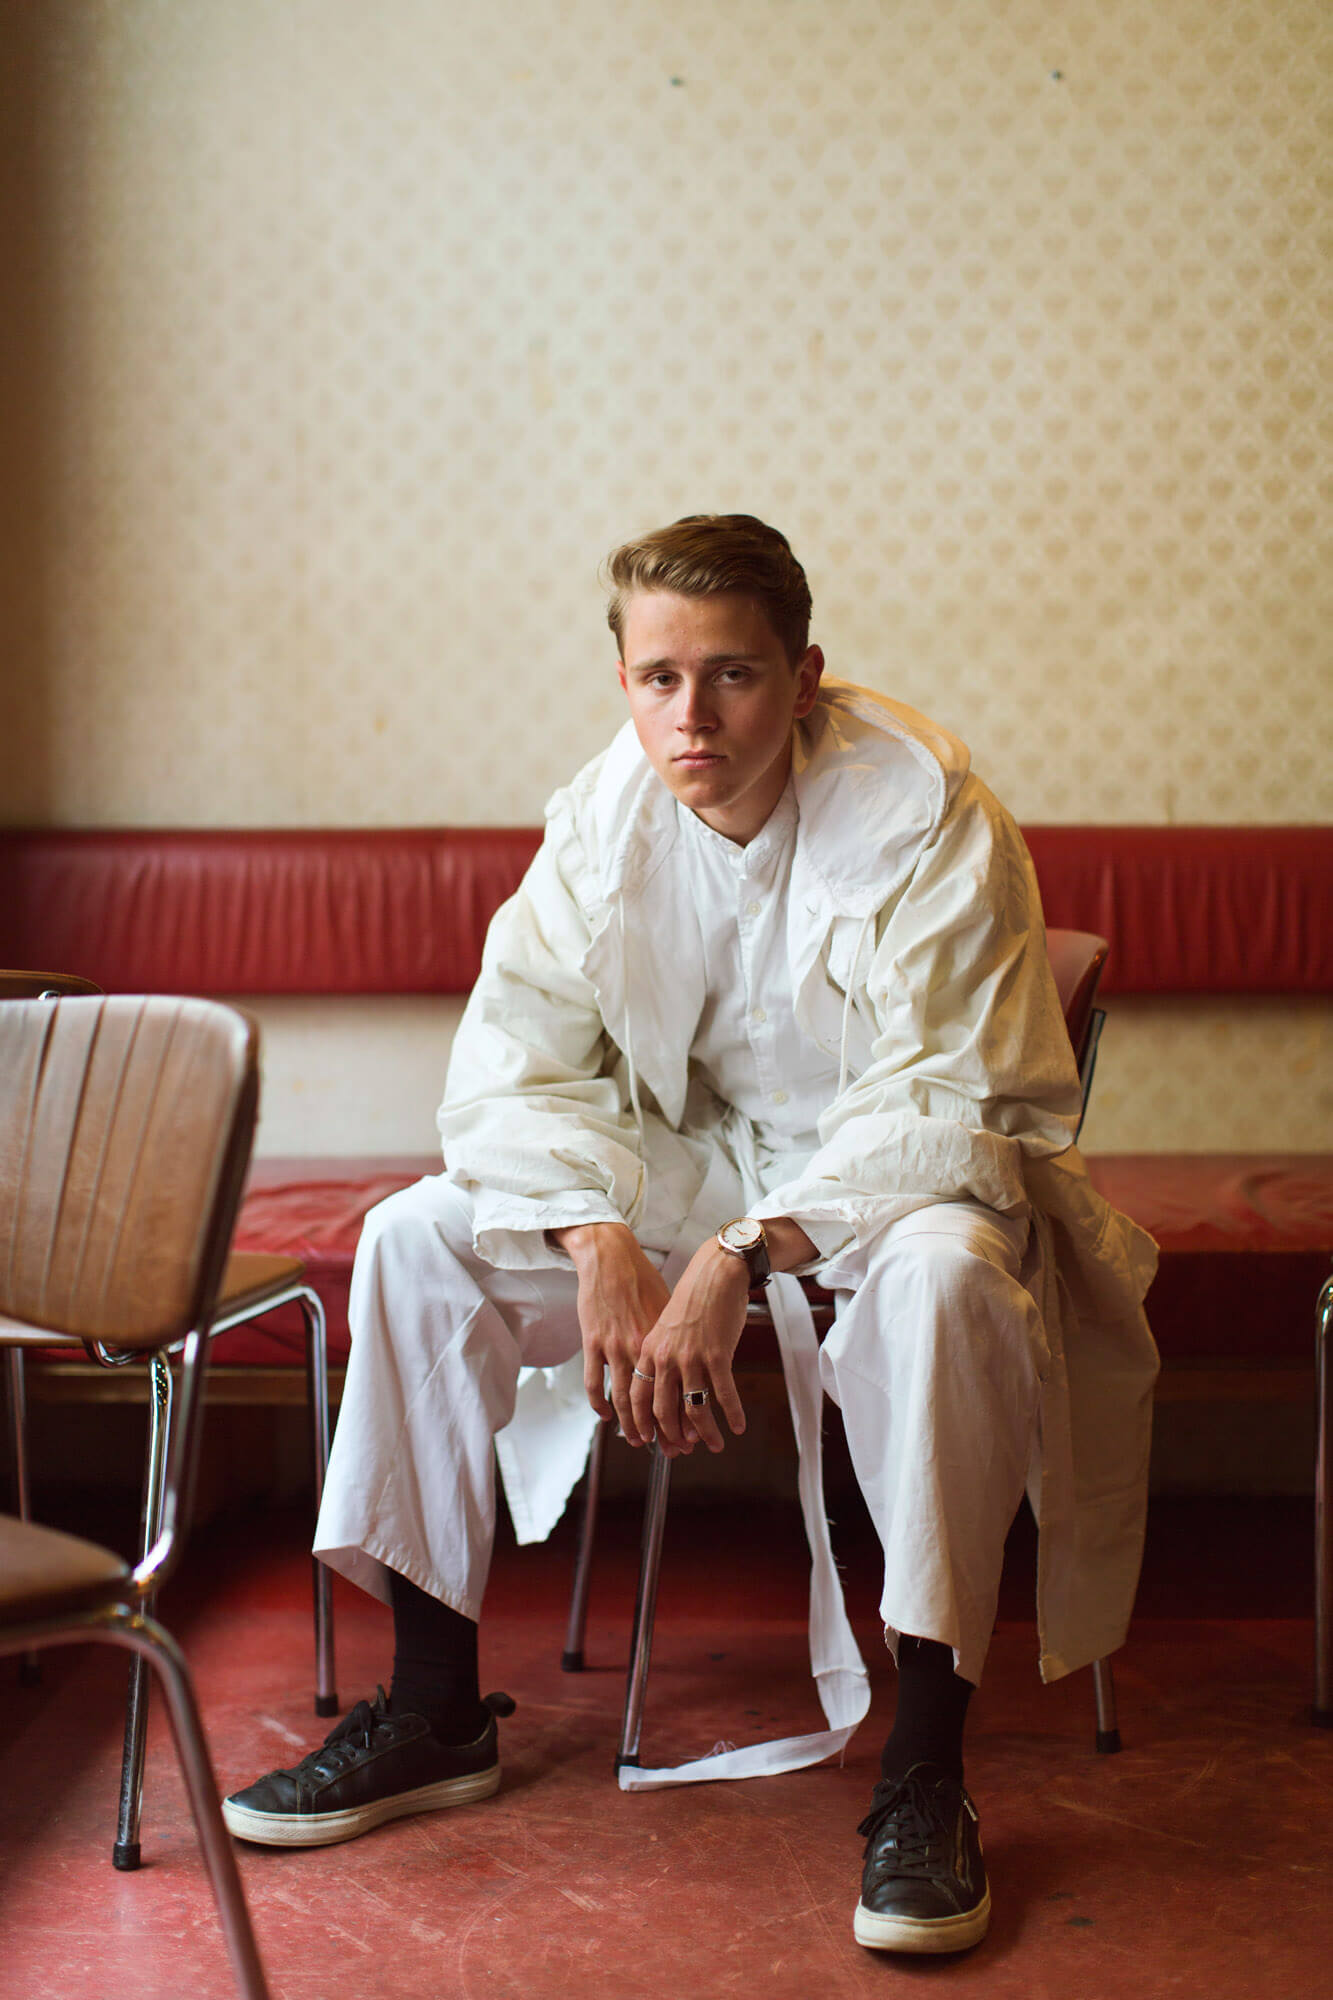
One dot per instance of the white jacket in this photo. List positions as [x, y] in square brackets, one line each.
[918, 957]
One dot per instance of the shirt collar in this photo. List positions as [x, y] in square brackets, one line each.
[758, 856]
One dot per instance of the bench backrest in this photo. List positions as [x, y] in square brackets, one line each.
[405, 910]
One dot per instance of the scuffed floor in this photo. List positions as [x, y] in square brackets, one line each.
[1199, 1861]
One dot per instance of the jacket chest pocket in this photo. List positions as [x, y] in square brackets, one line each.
[827, 1001]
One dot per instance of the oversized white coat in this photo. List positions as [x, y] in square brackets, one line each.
[917, 951]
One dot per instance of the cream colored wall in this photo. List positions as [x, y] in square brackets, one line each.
[358, 334]
[365, 1076]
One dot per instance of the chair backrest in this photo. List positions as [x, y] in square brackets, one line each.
[125, 1131]
[1077, 959]
[43, 985]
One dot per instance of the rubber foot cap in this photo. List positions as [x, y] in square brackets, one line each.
[30, 1673]
[326, 1704]
[571, 1663]
[628, 1763]
[1108, 1742]
[125, 1856]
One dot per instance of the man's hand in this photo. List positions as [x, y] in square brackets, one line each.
[691, 1349]
[694, 1343]
[621, 1297]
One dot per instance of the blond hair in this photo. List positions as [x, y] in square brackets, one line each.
[705, 554]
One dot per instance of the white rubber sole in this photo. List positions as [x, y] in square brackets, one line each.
[325, 1829]
[922, 1934]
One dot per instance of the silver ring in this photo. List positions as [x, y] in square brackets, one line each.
[642, 1377]
[695, 1398]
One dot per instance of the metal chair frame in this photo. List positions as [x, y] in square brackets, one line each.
[126, 1620]
[1322, 1711]
[126, 1851]
[1086, 1022]
[117, 1609]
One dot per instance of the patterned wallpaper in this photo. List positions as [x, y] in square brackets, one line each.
[364, 1076]
[357, 334]
[368, 329]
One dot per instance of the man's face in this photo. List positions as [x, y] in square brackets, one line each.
[713, 698]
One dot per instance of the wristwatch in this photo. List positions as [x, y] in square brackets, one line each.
[745, 1238]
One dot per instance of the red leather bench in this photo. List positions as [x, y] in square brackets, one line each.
[1245, 1239]
[1186, 909]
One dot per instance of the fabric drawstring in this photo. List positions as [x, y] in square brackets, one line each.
[841, 1680]
[866, 922]
[629, 1052]
[629, 1039]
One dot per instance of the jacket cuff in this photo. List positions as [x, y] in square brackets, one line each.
[509, 1230]
[832, 1228]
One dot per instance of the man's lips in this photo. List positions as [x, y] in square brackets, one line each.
[698, 759]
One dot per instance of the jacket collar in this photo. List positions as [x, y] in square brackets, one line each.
[873, 780]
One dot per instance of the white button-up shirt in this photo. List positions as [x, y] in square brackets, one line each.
[747, 1043]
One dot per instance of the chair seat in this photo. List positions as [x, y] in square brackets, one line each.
[22, 1333]
[759, 1344]
[46, 1574]
[250, 1277]
[249, 1280]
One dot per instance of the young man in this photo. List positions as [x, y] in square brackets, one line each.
[773, 998]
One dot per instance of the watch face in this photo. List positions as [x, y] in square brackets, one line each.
[743, 1234]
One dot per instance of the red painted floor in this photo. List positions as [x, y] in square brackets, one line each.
[1199, 1862]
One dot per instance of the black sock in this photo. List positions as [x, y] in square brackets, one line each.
[932, 1708]
[434, 1664]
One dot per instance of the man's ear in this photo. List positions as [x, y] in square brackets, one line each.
[620, 675]
[808, 671]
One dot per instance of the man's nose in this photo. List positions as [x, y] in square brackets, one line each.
[696, 708]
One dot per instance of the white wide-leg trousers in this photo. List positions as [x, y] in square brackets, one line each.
[935, 1360]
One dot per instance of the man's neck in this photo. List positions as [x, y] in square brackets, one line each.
[741, 822]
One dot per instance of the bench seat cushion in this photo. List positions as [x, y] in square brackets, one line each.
[1246, 1241]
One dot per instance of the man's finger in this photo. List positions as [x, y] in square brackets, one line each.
[727, 1398]
[641, 1404]
[620, 1396]
[668, 1409]
[594, 1384]
[699, 1417]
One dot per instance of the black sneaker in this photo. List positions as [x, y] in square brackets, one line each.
[373, 1767]
[924, 1884]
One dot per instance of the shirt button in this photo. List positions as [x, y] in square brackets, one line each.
[779, 1097]
[758, 1014]
[752, 909]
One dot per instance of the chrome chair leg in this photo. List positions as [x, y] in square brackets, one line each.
[17, 1389]
[1108, 1730]
[125, 1853]
[317, 1399]
[153, 1645]
[571, 1660]
[645, 1607]
[1323, 1515]
[156, 1645]
[120, 1626]
[16, 1383]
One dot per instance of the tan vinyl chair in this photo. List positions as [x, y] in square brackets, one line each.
[125, 1129]
[251, 1285]
[1077, 959]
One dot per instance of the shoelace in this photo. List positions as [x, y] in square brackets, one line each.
[356, 1732]
[922, 1834]
[348, 1738]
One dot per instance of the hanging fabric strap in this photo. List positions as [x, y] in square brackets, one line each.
[839, 1671]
